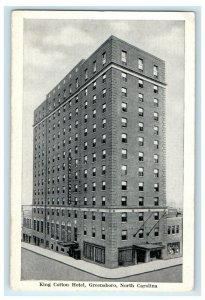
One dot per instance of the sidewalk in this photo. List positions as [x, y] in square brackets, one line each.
[102, 271]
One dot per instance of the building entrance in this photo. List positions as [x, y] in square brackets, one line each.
[141, 255]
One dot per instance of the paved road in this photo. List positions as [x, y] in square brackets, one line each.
[37, 267]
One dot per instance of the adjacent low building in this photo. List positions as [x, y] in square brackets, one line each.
[99, 161]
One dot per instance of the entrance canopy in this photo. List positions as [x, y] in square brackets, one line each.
[149, 247]
[68, 244]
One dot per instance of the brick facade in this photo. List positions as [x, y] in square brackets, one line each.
[99, 178]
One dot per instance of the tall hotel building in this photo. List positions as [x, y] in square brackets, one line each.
[99, 170]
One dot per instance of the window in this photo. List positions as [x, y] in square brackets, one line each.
[104, 58]
[86, 92]
[76, 124]
[93, 231]
[85, 159]
[141, 186]
[103, 185]
[103, 123]
[124, 137]
[156, 172]
[124, 57]
[124, 76]
[103, 233]
[103, 170]
[94, 186]
[94, 171]
[141, 156]
[124, 235]
[85, 187]
[155, 89]
[94, 142]
[141, 201]
[141, 233]
[156, 216]
[156, 130]
[85, 145]
[94, 99]
[94, 157]
[141, 171]
[141, 141]
[156, 144]
[103, 154]
[173, 229]
[124, 122]
[104, 93]
[141, 216]
[76, 99]
[156, 102]
[85, 201]
[156, 232]
[140, 112]
[169, 230]
[94, 127]
[140, 83]
[104, 107]
[124, 170]
[85, 132]
[124, 201]
[85, 104]
[155, 71]
[94, 113]
[104, 78]
[85, 173]
[76, 111]
[156, 116]
[84, 230]
[85, 118]
[156, 187]
[141, 126]
[86, 74]
[140, 64]
[124, 91]
[177, 228]
[124, 153]
[124, 107]
[124, 217]
[103, 217]
[94, 85]
[94, 66]
[70, 88]
[156, 158]
[156, 201]
[103, 201]
[93, 216]
[76, 83]
[85, 215]
[124, 185]
[104, 138]
[141, 97]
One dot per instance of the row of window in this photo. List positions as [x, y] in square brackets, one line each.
[124, 109]
[173, 229]
[103, 156]
[140, 63]
[124, 201]
[124, 187]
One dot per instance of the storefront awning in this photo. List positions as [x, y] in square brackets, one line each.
[149, 247]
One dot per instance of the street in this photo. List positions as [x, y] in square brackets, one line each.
[37, 267]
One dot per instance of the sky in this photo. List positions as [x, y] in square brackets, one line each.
[53, 47]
